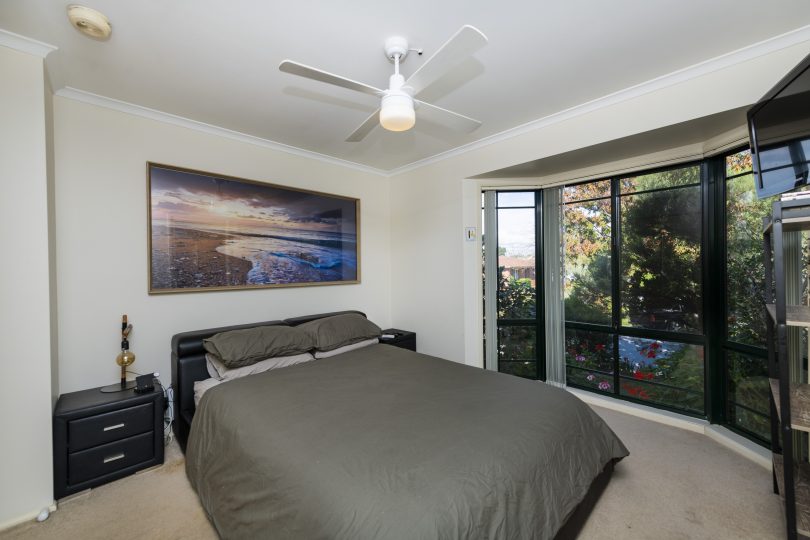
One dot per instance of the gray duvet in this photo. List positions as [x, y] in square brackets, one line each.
[382, 442]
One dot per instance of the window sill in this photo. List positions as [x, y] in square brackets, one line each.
[737, 443]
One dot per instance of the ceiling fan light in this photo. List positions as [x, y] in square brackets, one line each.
[397, 113]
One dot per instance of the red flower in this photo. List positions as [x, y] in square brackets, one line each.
[651, 354]
[654, 345]
[599, 347]
[631, 390]
[634, 391]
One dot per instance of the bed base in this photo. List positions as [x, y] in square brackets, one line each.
[575, 522]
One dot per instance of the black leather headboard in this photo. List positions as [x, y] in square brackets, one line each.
[188, 366]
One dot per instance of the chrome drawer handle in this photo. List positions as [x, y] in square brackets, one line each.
[116, 426]
[113, 458]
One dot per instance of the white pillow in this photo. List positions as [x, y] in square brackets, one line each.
[346, 348]
[201, 387]
[218, 371]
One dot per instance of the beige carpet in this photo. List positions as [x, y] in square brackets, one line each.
[675, 485]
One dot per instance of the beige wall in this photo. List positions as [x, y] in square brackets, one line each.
[436, 273]
[25, 388]
[52, 272]
[101, 229]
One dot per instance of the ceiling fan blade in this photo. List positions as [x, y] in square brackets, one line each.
[463, 43]
[365, 128]
[288, 66]
[447, 118]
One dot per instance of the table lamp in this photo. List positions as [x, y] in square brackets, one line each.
[124, 359]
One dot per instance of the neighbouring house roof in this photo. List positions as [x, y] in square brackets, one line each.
[516, 262]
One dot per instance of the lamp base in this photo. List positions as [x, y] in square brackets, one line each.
[129, 385]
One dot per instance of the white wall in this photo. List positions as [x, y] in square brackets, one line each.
[25, 388]
[436, 274]
[101, 230]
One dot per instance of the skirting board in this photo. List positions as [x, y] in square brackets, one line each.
[13, 522]
[737, 443]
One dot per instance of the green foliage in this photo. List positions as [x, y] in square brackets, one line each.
[745, 267]
[587, 254]
[748, 386]
[589, 297]
[517, 351]
[660, 252]
[516, 345]
[516, 297]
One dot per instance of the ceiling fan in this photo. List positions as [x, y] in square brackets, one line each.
[396, 112]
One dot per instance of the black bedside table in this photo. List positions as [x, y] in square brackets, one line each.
[403, 339]
[98, 437]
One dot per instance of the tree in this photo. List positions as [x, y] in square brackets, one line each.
[587, 266]
[661, 251]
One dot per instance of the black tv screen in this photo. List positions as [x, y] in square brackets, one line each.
[779, 129]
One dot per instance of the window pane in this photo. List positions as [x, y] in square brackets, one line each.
[589, 359]
[658, 180]
[590, 190]
[517, 351]
[587, 270]
[515, 198]
[738, 163]
[662, 372]
[745, 281]
[661, 260]
[516, 265]
[748, 388]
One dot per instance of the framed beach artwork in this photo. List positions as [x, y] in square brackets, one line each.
[210, 232]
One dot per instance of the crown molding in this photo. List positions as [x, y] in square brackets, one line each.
[25, 44]
[750, 52]
[152, 114]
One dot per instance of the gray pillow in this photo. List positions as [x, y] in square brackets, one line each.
[333, 332]
[238, 348]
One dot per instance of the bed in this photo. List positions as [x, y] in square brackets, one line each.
[382, 442]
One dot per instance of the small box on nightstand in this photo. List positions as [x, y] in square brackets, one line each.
[402, 338]
[99, 437]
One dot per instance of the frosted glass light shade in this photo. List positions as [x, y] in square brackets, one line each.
[397, 112]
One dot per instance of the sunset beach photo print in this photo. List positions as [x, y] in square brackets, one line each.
[213, 232]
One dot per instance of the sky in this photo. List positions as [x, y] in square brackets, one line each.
[220, 203]
[516, 225]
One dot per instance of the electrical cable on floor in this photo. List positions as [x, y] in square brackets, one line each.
[168, 418]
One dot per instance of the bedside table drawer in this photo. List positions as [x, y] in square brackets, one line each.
[111, 426]
[110, 457]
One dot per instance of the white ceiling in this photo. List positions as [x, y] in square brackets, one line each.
[216, 62]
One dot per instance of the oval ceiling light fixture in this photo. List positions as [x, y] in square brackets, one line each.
[89, 22]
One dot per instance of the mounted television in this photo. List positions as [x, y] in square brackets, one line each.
[779, 129]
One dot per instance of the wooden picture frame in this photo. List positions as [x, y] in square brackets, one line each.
[213, 232]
